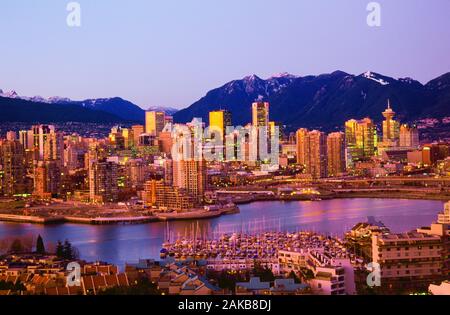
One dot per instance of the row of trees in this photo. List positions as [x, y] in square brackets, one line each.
[63, 250]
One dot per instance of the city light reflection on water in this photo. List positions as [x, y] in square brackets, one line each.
[127, 243]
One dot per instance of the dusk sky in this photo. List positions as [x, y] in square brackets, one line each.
[170, 53]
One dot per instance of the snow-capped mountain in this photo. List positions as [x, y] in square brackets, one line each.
[376, 77]
[325, 100]
[114, 105]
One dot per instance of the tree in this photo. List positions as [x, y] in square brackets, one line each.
[40, 248]
[16, 247]
[67, 250]
[264, 273]
[59, 250]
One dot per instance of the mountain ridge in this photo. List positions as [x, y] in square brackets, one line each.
[326, 100]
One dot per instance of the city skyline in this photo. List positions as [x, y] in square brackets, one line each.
[238, 151]
[149, 70]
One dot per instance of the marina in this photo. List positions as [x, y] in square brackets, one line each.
[247, 246]
[121, 243]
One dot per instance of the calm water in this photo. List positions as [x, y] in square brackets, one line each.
[127, 243]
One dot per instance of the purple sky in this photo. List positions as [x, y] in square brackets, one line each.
[170, 53]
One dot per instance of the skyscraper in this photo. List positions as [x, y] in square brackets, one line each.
[336, 153]
[12, 168]
[301, 136]
[47, 179]
[191, 176]
[260, 114]
[360, 137]
[154, 122]
[260, 121]
[312, 152]
[103, 182]
[47, 143]
[219, 120]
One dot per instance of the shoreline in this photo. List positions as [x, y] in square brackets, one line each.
[162, 217]
[203, 214]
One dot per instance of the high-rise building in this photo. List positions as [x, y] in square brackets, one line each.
[260, 114]
[219, 120]
[165, 142]
[12, 168]
[154, 122]
[103, 182]
[128, 136]
[137, 131]
[218, 123]
[336, 153]
[191, 176]
[135, 173]
[360, 136]
[301, 136]
[260, 123]
[390, 128]
[47, 179]
[409, 136]
[26, 139]
[48, 144]
[312, 152]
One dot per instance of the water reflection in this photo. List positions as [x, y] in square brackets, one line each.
[122, 243]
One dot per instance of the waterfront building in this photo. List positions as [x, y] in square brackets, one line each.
[408, 260]
[12, 168]
[312, 152]
[191, 176]
[103, 186]
[166, 197]
[336, 154]
[47, 179]
[154, 122]
[333, 274]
